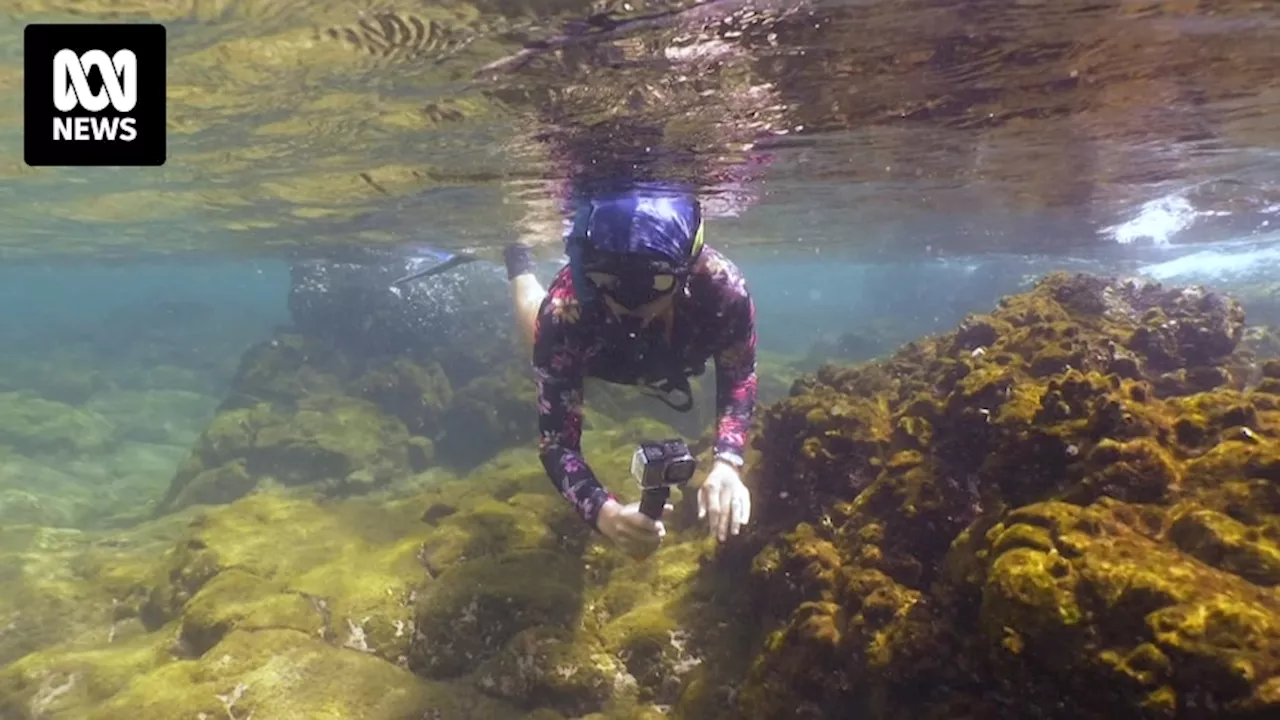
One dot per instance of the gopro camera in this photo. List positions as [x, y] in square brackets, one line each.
[658, 467]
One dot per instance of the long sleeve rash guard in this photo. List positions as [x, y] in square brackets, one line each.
[715, 319]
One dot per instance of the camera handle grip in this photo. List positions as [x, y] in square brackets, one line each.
[653, 500]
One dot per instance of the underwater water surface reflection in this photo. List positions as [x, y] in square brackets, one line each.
[1011, 126]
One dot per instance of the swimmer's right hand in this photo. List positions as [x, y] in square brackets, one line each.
[635, 533]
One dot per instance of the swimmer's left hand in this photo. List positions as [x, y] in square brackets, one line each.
[724, 501]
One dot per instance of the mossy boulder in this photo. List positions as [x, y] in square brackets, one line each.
[473, 609]
[1066, 508]
[267, 672]
[551, 667]
[286, 368]
[1093, 599]
[487, 415]
[31, 425]
[301, 409]
[349, 575]
[72, 586]
[416, 394]
[322, 440]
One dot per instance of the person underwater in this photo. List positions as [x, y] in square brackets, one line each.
[642, 301]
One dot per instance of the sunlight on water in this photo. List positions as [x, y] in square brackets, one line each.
[295, 124]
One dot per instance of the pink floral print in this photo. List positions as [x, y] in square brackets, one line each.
[715, 319]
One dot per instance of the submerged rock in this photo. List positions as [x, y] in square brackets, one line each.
[1063, 509]
[278, 605]
[1066, 508]
[324, 439]
[34, 426]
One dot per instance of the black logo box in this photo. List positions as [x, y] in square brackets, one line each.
[148, 43]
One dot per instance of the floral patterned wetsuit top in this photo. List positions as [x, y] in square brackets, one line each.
[714, 319]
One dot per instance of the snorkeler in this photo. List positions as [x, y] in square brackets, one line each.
[644, 302]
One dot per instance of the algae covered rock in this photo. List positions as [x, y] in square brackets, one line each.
[1063, 509]
[548, 667]
[473, 609]
[35, 426]
[72, 586]
[322, 439]
[296, 605]
[1092, 596]
[286, 368]
[269, 672]
[303, 411]
[487, 415]
[418, 395]
[349, 573]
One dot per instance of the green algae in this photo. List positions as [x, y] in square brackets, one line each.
[480, 580]
[277, 673]
[1073, 508]
[475, 608]
[1068, 514]
[33, 425]
[545, 667]
[323, 439]
[72, 586]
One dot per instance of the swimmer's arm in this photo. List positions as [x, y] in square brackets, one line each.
[735, 376]
[558, 374]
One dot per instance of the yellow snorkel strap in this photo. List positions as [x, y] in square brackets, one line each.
[697, 240]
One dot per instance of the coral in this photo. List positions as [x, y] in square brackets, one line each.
[1065, 508]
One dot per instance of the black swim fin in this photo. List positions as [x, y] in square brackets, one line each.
[452, 262]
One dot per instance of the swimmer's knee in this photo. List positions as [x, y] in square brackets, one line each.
[527, 295]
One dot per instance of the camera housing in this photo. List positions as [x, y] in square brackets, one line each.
[663, 464]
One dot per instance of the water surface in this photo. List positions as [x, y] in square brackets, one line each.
[922, 127]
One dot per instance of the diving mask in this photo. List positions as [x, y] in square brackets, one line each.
[633, 284]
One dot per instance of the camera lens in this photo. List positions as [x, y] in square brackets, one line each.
[680, 471]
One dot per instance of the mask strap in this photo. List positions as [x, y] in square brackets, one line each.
[575, 242]
[663, 391]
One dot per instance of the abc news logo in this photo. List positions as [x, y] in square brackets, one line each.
[95, 95]
[71, 90]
